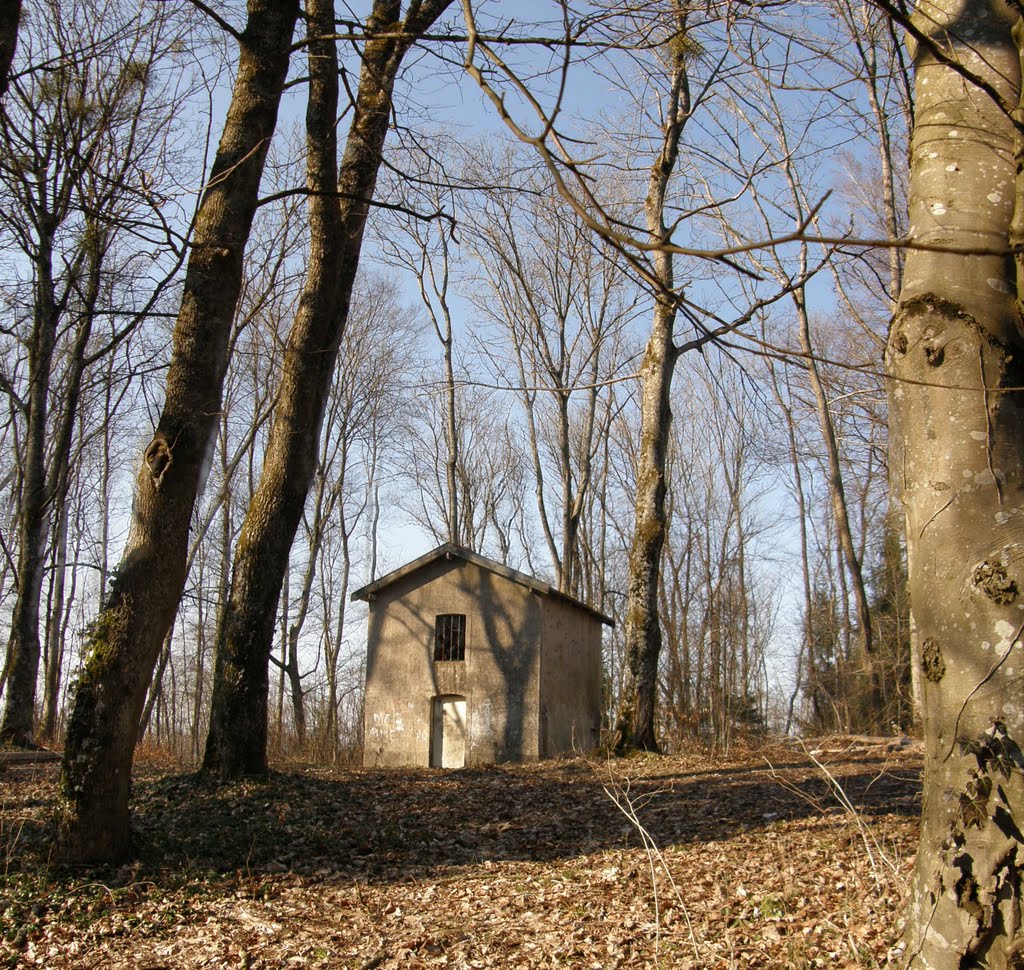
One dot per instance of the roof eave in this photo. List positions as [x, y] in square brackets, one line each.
[451, 551]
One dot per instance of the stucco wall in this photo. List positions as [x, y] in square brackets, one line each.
[570, 678]
[500, 684]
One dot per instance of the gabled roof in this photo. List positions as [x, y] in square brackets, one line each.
[451, 551]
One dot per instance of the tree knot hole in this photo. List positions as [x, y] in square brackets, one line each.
[934, 354]
[158, 460]
[991, 578]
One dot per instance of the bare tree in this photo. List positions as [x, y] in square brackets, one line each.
[715, 604]
[643, 630]
[238, 720]
[491, 476]
[686, 59]
[126, 637]
[368, 410]
[80, 142]
[559, 306]
[425, 249]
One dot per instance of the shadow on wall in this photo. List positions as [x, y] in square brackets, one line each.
[510, 647]
[499, 679]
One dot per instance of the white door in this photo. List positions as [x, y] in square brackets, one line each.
[448, 749]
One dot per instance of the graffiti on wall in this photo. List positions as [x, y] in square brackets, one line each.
[385, 725]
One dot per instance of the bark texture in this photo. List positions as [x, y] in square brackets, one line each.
[643, 625]
[125, 639]
[238, 721]
[957, 437]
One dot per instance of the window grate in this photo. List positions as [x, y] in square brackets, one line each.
[450, 636]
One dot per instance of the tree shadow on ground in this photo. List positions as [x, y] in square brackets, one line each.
[384, 825]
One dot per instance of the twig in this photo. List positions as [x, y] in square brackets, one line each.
[871, 844]
[624, 802]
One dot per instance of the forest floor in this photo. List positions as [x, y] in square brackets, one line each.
[783, 856]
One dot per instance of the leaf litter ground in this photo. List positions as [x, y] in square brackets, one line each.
[773, 857]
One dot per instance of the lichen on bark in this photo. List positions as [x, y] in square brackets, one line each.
[992, 580]
[931, 660]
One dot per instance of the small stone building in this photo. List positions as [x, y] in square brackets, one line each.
[470, 662]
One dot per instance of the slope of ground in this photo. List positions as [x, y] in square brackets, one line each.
[774, 857]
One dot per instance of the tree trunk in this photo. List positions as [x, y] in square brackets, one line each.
[237, 739]
[806, 658]
[284, 611]
[293, 629]
[443, 328]
[869, 708]
[957, 440]
[23, 645]
[156, 688]
[45, 490]
[238, 720]
[125, 639]
[53, 656]
[10, 15]
[643, 626]
[333, 694]
[58, 476]
[81, 161]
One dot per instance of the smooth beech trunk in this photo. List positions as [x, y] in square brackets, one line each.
[955, 359]
[237, 742]
[125, 639]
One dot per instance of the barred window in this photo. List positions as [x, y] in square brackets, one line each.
[450, 637]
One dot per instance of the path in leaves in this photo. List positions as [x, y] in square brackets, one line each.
[757, 860]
